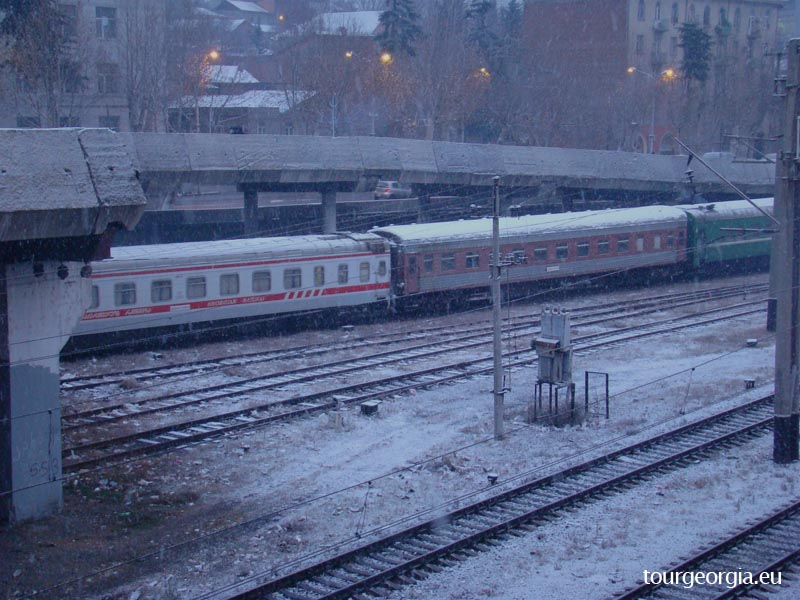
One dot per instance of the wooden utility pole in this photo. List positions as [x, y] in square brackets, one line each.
[496, 267]
[785, 275]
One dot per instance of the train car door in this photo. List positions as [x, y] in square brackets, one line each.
[412, 274]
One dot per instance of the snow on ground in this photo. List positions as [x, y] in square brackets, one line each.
[304, 486]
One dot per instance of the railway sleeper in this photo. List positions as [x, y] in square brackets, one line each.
[344, 573]
[313, 586]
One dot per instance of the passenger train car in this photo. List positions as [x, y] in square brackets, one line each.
[183, 284]
[178, 284]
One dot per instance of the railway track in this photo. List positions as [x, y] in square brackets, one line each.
[76, 383]
[83, 454]
[771, 545]
[395, 558]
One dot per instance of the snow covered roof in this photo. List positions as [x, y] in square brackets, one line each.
[230, 74]
[363, 22]
[732, 209]
[243, 6]
[481, 229]
[250, 99]
[230, 251]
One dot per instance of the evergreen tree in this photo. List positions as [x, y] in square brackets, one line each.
[400, 28]
[480, 32]
[696, 45]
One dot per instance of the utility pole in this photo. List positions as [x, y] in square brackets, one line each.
[786, 276]
[495, 281]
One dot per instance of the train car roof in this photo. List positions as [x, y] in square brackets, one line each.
[220, 252]
[533, 224]
[728, 210]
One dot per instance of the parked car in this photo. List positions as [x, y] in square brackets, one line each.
[391, 189]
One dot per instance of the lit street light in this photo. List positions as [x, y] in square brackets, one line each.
[665, 75]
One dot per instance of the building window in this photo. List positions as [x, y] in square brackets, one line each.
[427, 263]
[657, 13]
[540, 254]
[562, 251]
[583, 248]
[161, 290]
[319, 276]
[640, 44]
[448, 262]
[69, 122]
[707, 16]
[723, 17]
[196, 287]
[363, 272]
[602, 246]
[692, 16]
[71, 79]
[622, 245]
[472, 261]
[292, 279]
[737, 19]
[69, 22]
[229, 284]
[124, 294]
[673, 46]
[343, 275]
[262, 281]
[262, 127]
[111, 122]
[29, 122]
[107, 78]
[106, 22]
[95, 297]
[640, 11]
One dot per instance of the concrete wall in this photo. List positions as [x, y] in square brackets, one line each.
[42, 311]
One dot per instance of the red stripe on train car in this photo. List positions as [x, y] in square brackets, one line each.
[220, 302]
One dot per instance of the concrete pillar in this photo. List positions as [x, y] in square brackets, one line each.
[250, 212]
[37, 315]
[328, 209]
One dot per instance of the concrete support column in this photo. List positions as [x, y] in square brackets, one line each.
[328, 209]
[37, 315]
[250, 212]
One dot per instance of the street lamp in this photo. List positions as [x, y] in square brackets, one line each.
[386, 57]
[665, 75]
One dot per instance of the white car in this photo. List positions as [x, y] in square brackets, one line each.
[391, 189]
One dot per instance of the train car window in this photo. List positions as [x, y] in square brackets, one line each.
[262, 281]
[427, 263]
[602, 246]
[382, 268]
[363, 272]
[472, 260]
[680, 239]
[292, 278]
[229, 284]
[196, 287]
[562, 251]
[670, 240]
[124, 294]
[412, 265]
[319, 276]
[95, 297]
[657, 242]
[540, 254]
[519, 256]
[344, 276]
[583, 248]
[448, 262]
[639, 244]
[161, 290]
[622, 245]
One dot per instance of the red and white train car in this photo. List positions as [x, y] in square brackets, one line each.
[440, 258]
[176, 284]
